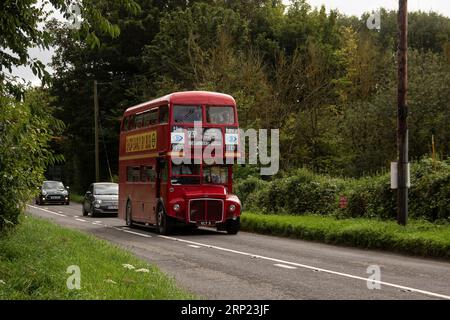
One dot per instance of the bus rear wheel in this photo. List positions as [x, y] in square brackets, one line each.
[232, 226]
[163, 223]
[128, 220]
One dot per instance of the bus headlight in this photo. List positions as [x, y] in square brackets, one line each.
[176, 207]
[232, 208]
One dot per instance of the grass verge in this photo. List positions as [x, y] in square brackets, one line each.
[76, 197]
[34, 258]
[417, 238]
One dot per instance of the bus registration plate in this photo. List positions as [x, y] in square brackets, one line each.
[207, 223]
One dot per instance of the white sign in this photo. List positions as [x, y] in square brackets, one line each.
[394, 176]
[231, 138]
[177, 137]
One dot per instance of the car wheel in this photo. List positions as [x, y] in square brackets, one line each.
[67, 203]
[85, 213]
[232, 226]
[128, 220]
[163, 223]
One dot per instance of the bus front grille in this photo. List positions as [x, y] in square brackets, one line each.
[205, 210]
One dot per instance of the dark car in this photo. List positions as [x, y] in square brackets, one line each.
[53, 192]
[101, 199]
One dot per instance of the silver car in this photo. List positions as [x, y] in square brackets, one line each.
[101, 199]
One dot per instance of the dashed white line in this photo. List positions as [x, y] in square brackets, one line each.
[52, 212]
[284, 266]
[428, 293]
[193, 246]
[80, 220]
[279, 261]
[137, 233]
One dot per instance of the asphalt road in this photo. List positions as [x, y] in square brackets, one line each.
[215, 265]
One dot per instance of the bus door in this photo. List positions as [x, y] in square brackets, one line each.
[161, 181]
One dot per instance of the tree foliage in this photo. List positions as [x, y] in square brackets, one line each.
[325, 80]
[26, 130]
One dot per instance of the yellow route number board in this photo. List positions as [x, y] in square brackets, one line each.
[141, 142]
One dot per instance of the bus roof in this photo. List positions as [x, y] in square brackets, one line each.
[188, 97]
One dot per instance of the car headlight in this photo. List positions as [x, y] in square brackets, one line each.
[65, 192]
[44, 193]
[176, 207]
[232, 208]
[97, 203]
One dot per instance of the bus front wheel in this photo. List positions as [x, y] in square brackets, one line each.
[163, 223]
[232, 226]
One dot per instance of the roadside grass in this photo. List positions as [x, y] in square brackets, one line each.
[75, 197]
[417, 238]
[34, 258]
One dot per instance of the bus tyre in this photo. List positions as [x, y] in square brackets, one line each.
[163, 223]
[128, 220]
[232, 226]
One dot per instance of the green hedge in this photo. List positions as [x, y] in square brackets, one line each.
[303, 192]
[418, 237]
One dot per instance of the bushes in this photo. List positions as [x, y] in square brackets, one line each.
[417, 238]
[26, 129]
[302, 192]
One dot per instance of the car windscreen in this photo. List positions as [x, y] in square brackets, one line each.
[112, 189]
[53, 185]
[187, 114]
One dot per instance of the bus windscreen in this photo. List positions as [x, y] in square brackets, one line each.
[220, 114]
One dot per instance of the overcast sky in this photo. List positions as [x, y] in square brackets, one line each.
[349, 7]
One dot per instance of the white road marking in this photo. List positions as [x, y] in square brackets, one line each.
[52, 212]
[294, 264]
[193, 246]
[284, 266]
[137, 233]
[428, 293]
[80, 220]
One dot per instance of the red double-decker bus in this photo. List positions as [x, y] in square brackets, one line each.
[155, 187]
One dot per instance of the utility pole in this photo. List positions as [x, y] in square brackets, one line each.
[97, 168]
[402, 114]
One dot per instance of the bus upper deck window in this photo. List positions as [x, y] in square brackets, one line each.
[220, 115]
[163, 114]
[125, 124]
[187, 114]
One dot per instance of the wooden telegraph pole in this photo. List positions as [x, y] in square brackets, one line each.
[97, 168]
[402, 114]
